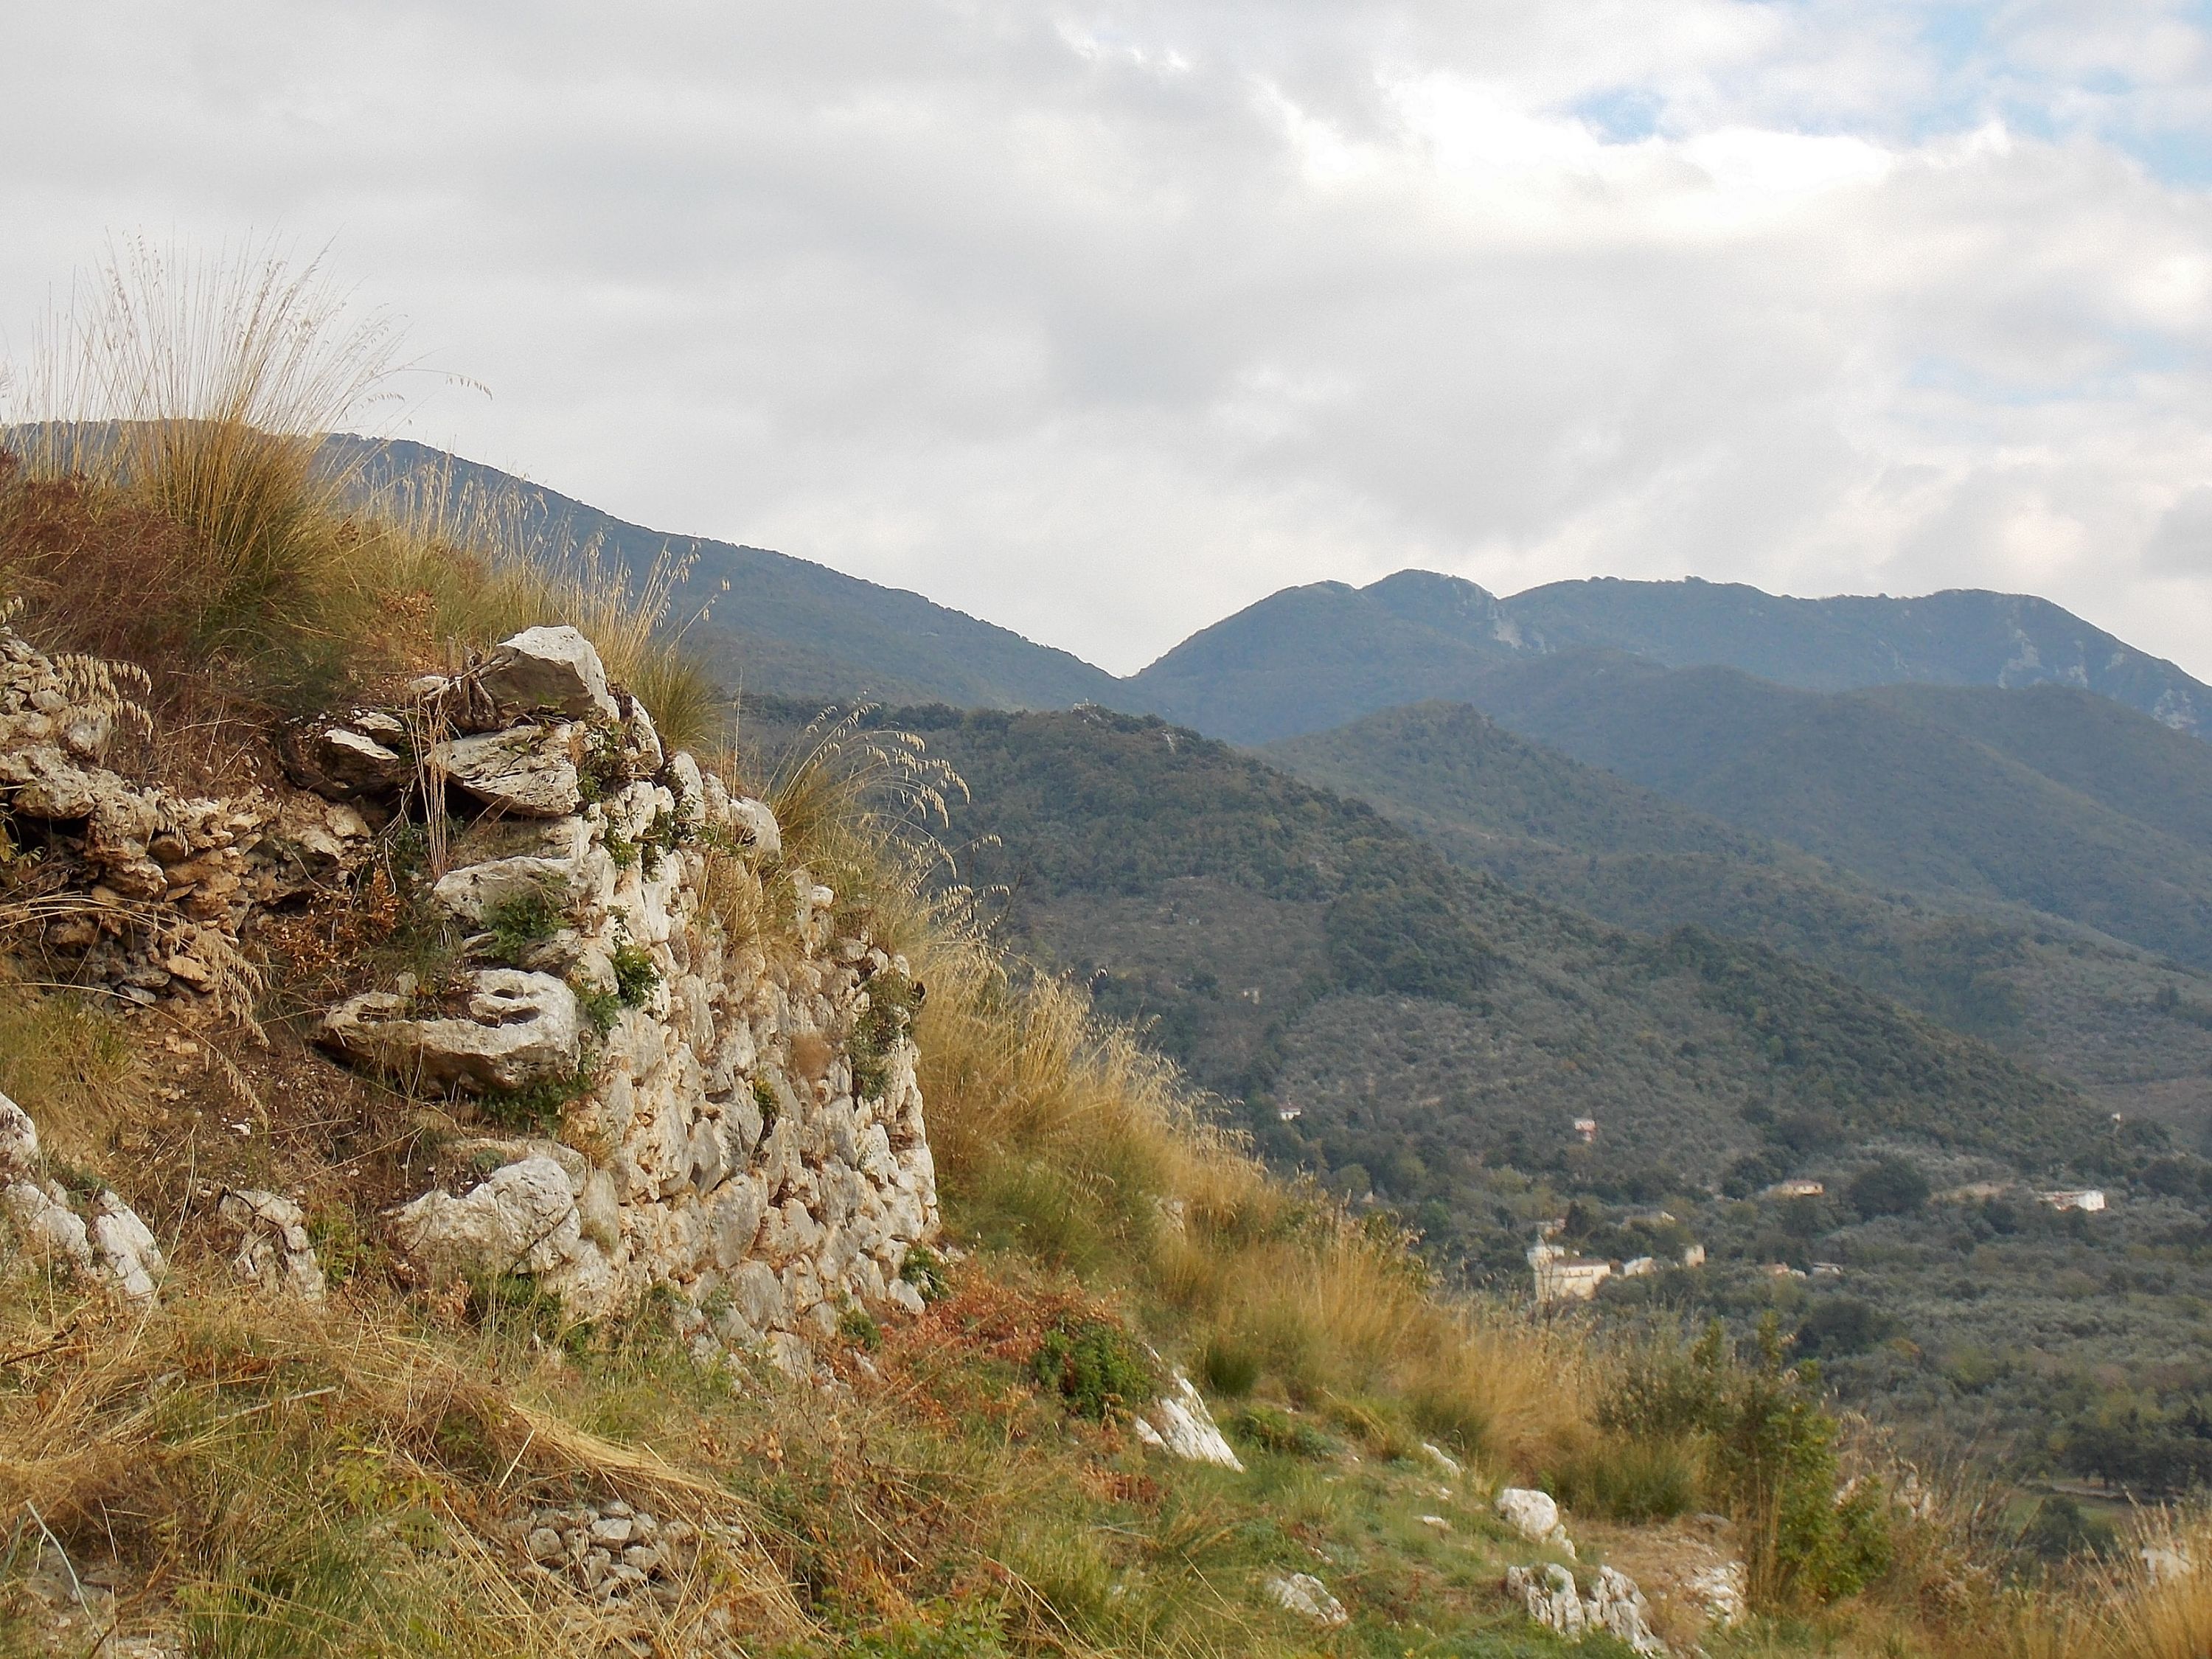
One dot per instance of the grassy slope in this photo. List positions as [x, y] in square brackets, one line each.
[2111, 1020]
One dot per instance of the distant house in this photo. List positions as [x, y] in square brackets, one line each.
[1693, 1255]
[1638, 1268]
[1289, 1114]
[2074, 1198]
[1586, 1129]
[1827, 1270]
[1798, 1187]
[1569, 1277]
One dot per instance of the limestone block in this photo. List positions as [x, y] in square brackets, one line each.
[1547, 1591]
[706, 1156]
[757, 1294]
[756, 820]
[1534, 1515]
[547, 668]
[741, 1126]
[274, 1251]
[518, 1028]
[1303, 1594]
[529, 770]
[560, 872]
[52, 1231]
[1615, 1606]
[521, 1219]
[354, 760]
[739, 1209]
[1186, 1428]
[598, 1210]
[129, 1259]
[19, 1141]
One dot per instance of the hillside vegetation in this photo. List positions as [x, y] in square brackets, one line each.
[2125, 1027]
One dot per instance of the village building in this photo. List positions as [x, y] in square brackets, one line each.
[1563, 1278]
[2074, 1198]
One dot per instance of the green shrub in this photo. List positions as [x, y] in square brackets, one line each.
[1230, 1365]
[1774, 1454]
[536, 1107]
[1626, 1480]
[925, 1270]
[635, 976]
[601, 1008]
[522, 918]
[1278, 1430]
[892, 999]
[1093, 1367]
[858, 1328]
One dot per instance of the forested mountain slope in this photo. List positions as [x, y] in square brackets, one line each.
[1899, 799]
[1297, 950]
[2127, 1028]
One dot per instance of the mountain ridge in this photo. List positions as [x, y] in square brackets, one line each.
[1312, 657]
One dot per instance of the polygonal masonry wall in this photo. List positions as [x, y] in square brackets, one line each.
[734, 1117]
[741, 1130]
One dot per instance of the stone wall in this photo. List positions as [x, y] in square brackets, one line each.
[683, 1066]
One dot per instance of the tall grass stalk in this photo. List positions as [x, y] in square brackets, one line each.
[199, 387]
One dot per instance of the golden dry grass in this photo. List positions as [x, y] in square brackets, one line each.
[168, 496]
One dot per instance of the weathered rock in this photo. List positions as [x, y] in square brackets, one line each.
[1720, 1592]
[756, 819]
[1615, 1606]
[547, 669]
[521, 1219]
[1308, 1597]
[129, 1259]
[1186, 1428]
[19, 1141]
[274, 1250]
[520, 1028]
[353, 760]
[1547, 1591]
[1534, 1515]
[52, 1231]
[528, 770]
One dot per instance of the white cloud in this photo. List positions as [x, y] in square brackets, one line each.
[1101, 322]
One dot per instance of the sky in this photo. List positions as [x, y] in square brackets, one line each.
[1103, 321]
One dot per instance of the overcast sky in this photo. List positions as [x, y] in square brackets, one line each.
[1103, 321]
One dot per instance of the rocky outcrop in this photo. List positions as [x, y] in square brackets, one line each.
[1535, 1516]
[1613, 1606]
[274, 1251]
[106, 1243]
[1303, 1594]
[508, 1030]
[1178, 1422]
[731, 1113]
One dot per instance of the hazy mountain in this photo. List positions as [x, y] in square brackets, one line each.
[1309, 657]
[787, 626]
